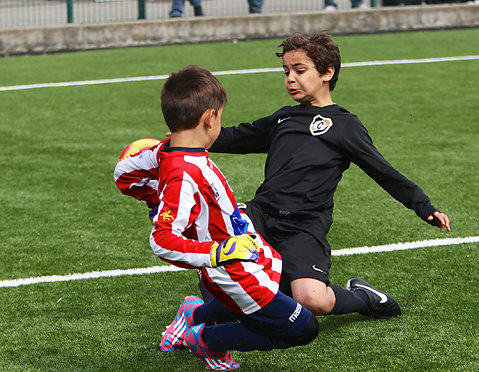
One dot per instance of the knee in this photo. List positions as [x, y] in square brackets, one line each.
[308, 334]
[314, 295]
[318, 305]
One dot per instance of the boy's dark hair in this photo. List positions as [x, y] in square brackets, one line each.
[187, 94]
[320, 48]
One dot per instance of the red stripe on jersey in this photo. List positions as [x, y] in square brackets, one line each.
[135, 184]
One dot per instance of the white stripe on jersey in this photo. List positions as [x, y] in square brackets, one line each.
[146, 160]
[276, 264]
[222, 279]
[194, 259]
[203, 220]
[261, 276]
[153, 184]
[186, 202]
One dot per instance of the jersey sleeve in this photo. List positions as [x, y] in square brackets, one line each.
[178, 210]
[137, 176]
[364, 154]
[245, 138]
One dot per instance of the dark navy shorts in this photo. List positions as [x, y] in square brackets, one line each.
[283, 317]
[301, 242]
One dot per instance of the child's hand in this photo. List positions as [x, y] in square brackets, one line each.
[441, 220]
[235, 248]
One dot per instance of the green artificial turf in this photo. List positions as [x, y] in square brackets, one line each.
[62, 213]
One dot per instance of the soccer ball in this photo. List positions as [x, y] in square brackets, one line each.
[138, 146]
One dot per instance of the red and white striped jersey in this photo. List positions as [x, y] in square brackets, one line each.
[196, 208]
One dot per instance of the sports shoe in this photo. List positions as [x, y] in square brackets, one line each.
[381, 305]
[173, 336]
[214, 360]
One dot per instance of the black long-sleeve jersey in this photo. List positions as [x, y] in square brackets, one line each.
[309, 148]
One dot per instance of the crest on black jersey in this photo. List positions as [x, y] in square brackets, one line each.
[320, 125]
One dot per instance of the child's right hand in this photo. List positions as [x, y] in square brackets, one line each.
[441, 220]
[235, 248]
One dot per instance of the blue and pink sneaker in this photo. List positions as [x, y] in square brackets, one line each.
[173, 336]
[214, 360]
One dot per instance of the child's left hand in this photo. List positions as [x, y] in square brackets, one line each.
[441, 220]
[235, 248]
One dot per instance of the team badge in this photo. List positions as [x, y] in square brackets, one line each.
[320, 125]
[166, 215]
[215, 192]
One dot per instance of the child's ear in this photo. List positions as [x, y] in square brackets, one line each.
[328, 75]
[208, 117]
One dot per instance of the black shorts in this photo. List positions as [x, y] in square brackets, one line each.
[300, 241]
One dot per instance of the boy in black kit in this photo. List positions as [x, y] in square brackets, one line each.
[309, 146]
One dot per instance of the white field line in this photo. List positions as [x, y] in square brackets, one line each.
[90, 275]
[169, 268]
[405, 246]
[231, 72]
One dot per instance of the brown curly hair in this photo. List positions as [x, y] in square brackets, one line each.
[320, 48]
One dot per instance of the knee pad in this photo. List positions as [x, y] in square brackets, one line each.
[308, 334]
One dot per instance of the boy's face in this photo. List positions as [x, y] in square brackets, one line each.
[302, 80]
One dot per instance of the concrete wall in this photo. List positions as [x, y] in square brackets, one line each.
[190, 30]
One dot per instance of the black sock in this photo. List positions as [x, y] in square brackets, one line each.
[349, 301]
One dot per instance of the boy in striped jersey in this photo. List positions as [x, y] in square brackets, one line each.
[199, 226]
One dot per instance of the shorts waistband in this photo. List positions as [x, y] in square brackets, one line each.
[296, 215]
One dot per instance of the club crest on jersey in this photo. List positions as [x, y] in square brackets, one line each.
[320, 125]
[215, 192]
[166, 216]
